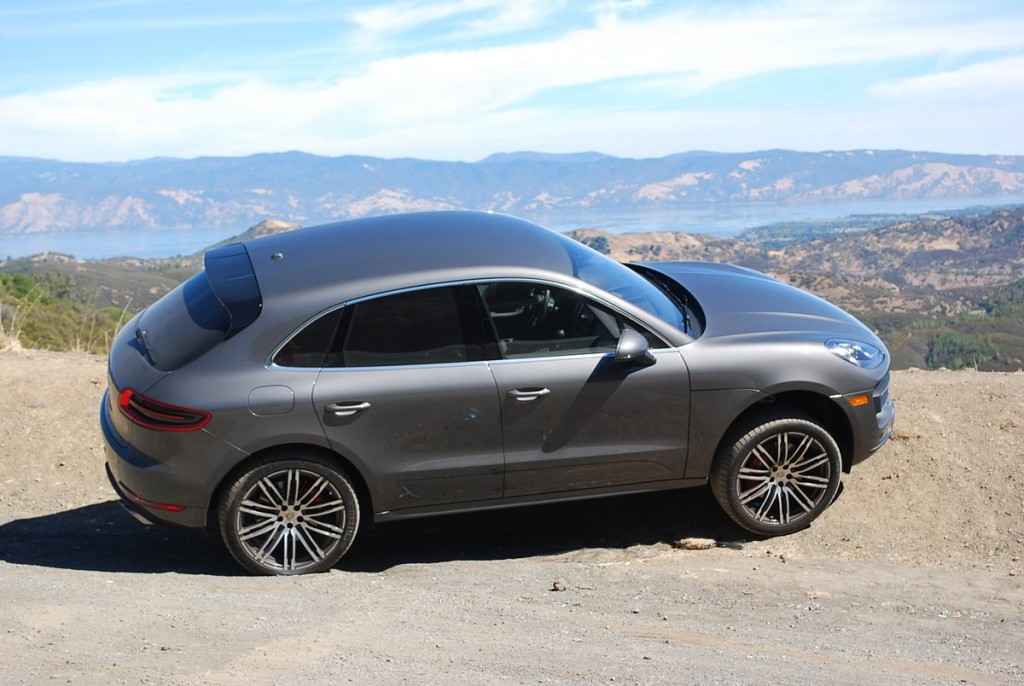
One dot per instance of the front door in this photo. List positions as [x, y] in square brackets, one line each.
[572, 417]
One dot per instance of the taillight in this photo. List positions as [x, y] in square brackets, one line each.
[154, 414]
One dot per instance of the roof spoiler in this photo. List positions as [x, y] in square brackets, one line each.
[233, 280]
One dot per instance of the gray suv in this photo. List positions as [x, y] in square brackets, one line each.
[424, 364]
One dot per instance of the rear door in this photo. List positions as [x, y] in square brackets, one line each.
[407, 394]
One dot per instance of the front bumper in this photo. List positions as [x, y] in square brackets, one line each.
[872, 431]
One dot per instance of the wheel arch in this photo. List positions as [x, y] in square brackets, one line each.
[821, 408]
[359, 483]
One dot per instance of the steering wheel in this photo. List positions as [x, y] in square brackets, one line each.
[541, 304]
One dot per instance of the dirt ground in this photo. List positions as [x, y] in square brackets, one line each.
[913, 576]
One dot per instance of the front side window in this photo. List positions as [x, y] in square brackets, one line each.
[540, 320]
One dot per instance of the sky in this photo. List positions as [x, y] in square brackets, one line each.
[120, 80]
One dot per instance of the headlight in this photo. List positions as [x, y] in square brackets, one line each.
[855, 352]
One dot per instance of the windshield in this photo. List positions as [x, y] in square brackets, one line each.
[607, 274]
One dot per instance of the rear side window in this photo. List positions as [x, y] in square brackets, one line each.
[432, 326]
[309, 347]
[211, 306]
[418, 327]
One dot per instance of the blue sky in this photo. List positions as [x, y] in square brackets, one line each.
[114, 80]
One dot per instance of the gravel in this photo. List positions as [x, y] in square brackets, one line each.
[913, 576]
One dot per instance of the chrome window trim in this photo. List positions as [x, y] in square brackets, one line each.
[588, 293]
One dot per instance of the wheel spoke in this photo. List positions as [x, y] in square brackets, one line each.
[257, 529]
[324, 528]
[288, 549]
[784, 503]
[807, 464]
[312, 493]
[324, 508]
[270, 492]
[755, 492]
[304, 535]
[794, 455]
[796, 493]
[766, 457]
[258, 509]
[810, 481]
[269, 545]
[767, 503]
[748, 472]
[292, 480]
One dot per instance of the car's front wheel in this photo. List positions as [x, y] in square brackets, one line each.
[291, 514]
[776, 473]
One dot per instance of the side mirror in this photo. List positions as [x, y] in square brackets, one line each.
[634, 349]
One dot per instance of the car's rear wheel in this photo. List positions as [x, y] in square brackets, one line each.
[777, 472]
[289, 514]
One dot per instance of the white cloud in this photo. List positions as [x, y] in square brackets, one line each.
[464, 103]
[998, 78]
[411, 14]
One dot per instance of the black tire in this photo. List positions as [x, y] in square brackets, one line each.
[289, 514]
[777, 472]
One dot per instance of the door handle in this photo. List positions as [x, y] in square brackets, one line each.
[346, 409]
[525, 395]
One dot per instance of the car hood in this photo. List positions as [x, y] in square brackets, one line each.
[742, 302]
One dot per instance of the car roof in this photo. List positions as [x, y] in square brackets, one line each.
[360, 257]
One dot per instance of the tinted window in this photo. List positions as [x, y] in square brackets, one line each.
[309, 347]
[537, 320]
[607, 274]
[211, 306]
[430, 326]
[184, 324]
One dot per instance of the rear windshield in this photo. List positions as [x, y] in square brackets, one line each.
[213, 305]
[183, 324]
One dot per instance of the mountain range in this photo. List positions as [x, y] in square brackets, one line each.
[218, 193]
[940, 290]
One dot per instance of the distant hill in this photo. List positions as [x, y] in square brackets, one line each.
[559, 158]
[219, 193]
[928, 285]
[941, 291]
[927, 265]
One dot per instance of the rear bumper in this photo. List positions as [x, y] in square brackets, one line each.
[141, 483]
[124, 501]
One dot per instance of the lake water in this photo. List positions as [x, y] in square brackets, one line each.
[715, 220]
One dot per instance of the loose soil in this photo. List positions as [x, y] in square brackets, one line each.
[913, 576]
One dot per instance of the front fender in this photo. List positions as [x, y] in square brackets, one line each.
[712, 412]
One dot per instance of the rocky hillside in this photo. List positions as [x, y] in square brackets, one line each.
[927, 266]
[217, 193]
